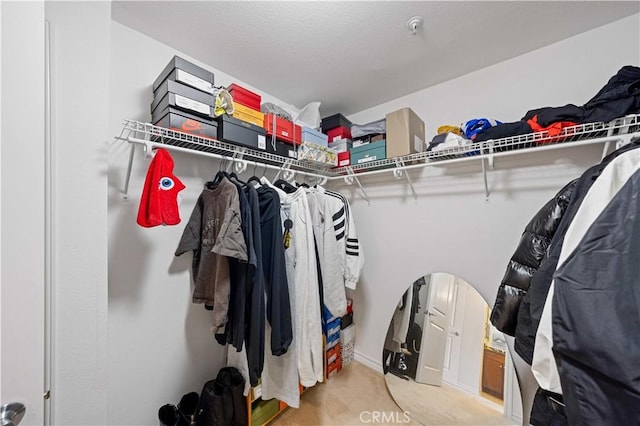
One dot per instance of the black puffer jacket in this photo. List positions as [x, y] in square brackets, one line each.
[525, 261]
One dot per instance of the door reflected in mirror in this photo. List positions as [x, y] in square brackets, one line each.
[444, 363]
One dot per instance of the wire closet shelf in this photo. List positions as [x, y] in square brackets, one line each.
[157, 137]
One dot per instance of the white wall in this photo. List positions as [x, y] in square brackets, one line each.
[471, 348]
[450, 228]
[80, 35]
[160, 346]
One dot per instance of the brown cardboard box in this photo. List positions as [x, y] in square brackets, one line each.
[405, 133]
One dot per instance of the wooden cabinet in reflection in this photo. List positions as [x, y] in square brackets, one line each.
[493, 373]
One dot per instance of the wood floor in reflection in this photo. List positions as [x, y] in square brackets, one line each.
[442, 405]
[352, 397]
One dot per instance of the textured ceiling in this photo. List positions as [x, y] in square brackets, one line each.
[354, 55]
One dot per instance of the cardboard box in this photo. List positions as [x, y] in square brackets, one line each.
[281, 148]
[369, 152]
[333, 121]
[174, 94]
[344, 159]
[181, 121]
[318, 154]
[314, 136]
[247, 114]
[338, 133]
[185, 72]
[284, 130]
[405, 133]
[240, 132]
[244, 96]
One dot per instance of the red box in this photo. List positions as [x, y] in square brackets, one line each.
[349, 306]
[244, 96]
[284, 129]
[339, 133]
[333, 368]
[335, 353]
[344, 159]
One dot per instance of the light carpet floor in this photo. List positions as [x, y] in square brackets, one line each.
[357, 393]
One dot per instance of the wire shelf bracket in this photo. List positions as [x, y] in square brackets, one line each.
[351, 177]
[399, 171]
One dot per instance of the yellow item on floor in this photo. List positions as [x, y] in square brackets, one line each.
[450, 129]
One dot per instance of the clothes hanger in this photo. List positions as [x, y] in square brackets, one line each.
[285, 186]
[304, 183]
[218, 177]
[255, 177]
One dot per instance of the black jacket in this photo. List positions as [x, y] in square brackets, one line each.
[619, 97]
[532, 303]
[526, 260]
[595, 309]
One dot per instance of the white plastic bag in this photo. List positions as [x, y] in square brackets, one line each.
[309, 116]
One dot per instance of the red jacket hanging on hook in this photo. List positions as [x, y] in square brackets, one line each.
[159, 201]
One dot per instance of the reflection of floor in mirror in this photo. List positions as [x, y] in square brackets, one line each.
[442, 405]
[350, 398]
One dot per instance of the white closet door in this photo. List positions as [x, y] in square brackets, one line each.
[22, 207]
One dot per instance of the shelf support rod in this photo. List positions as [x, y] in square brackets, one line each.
[486, 184]
[607, 145]
[399, 171]
[350, 178]
[127, 179]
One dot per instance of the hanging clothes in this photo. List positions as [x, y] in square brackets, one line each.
[532, 303]
[526, 259]
[278, 305]
[590, 351]
[214, 233]
[332, 277]
[304, 360]
[349, 250]
[241, 275]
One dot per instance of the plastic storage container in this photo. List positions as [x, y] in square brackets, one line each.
[244, 96]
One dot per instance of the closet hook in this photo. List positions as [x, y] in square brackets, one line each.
[148, 149]
[321, 180]
[240, 165]
[288, 175]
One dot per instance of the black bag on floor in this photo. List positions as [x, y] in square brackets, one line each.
[222, 402]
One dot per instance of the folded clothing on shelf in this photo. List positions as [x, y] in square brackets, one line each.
[445, 141]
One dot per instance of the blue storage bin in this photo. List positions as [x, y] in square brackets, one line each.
[314, 136]
[333, 340]
[369, 152]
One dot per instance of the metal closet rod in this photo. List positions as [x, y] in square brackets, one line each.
[224, 157]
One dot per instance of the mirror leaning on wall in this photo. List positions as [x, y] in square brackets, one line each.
[444, 363]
